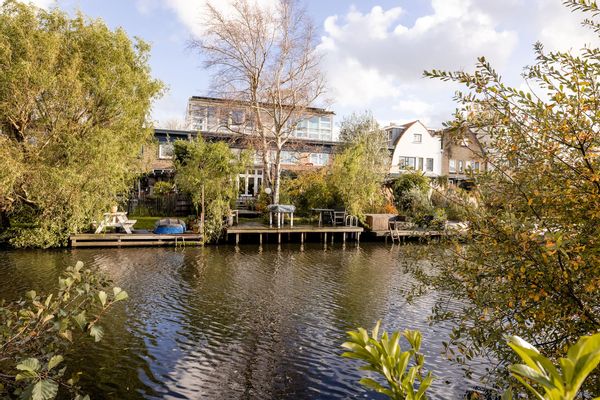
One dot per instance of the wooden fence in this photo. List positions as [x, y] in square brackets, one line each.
[167, 205]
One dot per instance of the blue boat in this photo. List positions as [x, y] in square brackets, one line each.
[169, 226]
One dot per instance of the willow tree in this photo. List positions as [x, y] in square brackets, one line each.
[74, 103]
[358, 172]
[208, 172]
[264, 60]
[532, 265]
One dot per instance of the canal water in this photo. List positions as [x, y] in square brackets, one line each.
[221, 323]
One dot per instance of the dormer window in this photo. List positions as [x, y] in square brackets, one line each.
[417, 138]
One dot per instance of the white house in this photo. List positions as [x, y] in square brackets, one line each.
[414, 147]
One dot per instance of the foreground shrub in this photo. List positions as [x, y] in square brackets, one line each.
[35, 332]
[538, 375]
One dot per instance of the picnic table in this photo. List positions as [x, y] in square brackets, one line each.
[280, 210]
[322, 212]
[116, 220]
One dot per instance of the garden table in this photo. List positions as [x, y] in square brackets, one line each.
[280, 210]
[116, 220]
[322, 212]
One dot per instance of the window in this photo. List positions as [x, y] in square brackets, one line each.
[420, 163]
[165, 150]
[452, 166]
[476, 166]
[461, 167]
[289, 157]
[430, 164]
[464, 142]
[319, 158]
[417, 138]
[313, 128]
[236, 117]
[326, 128]
[407, 162]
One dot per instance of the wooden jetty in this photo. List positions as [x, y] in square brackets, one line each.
[134, 239]
[301, 232]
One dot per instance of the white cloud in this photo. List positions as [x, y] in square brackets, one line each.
[192, 12]
[373, 56]
[560, 29]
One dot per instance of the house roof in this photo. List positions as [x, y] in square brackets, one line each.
[315, 110]
[405, 127]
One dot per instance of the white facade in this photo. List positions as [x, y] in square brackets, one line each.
[416, 148]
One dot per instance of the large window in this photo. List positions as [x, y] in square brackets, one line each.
[420, 164]
[316, 127]
[417, 138]
[319, 158]
[452, 166]
[430, 164]
[476, 166]
[407, 162]
[461, 167]
[165, 151]
[289, 157]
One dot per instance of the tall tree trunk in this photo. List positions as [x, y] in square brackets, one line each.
[276, 183]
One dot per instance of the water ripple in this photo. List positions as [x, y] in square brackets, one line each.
[247, 324]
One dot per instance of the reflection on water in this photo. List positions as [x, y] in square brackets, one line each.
[222, 324]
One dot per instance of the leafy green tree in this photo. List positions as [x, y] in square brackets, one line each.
[385, 357]
[35, 332]
[539, 375]
[407, 187]
[308, 189]
[208, 172]
[358, 172]
[75, 98]
[532, 263]
[547, 381]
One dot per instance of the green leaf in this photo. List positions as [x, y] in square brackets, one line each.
[44, 390]
[25, 375]
[102, 296]
[375, 332]
[30, 364]
[97, 332]
[54, 361]
[120, 294]
[81, 320]
[508, 394]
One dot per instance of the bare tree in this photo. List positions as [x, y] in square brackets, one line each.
[265, 59]
[175, 124]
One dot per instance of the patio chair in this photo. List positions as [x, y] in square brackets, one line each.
[339, 217]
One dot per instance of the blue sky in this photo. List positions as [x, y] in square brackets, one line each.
[375, 50]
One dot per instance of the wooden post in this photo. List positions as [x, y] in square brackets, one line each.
[202, 214]
[332, 236]
[237, 239]
[279, 238]
[358, 237]
[260, 239]
[302, 237]
[325, 241]
[344, 237]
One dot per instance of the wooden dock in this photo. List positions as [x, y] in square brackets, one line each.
[297, 232]
[134, 239]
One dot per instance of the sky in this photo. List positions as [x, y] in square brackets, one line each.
[375, 51]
